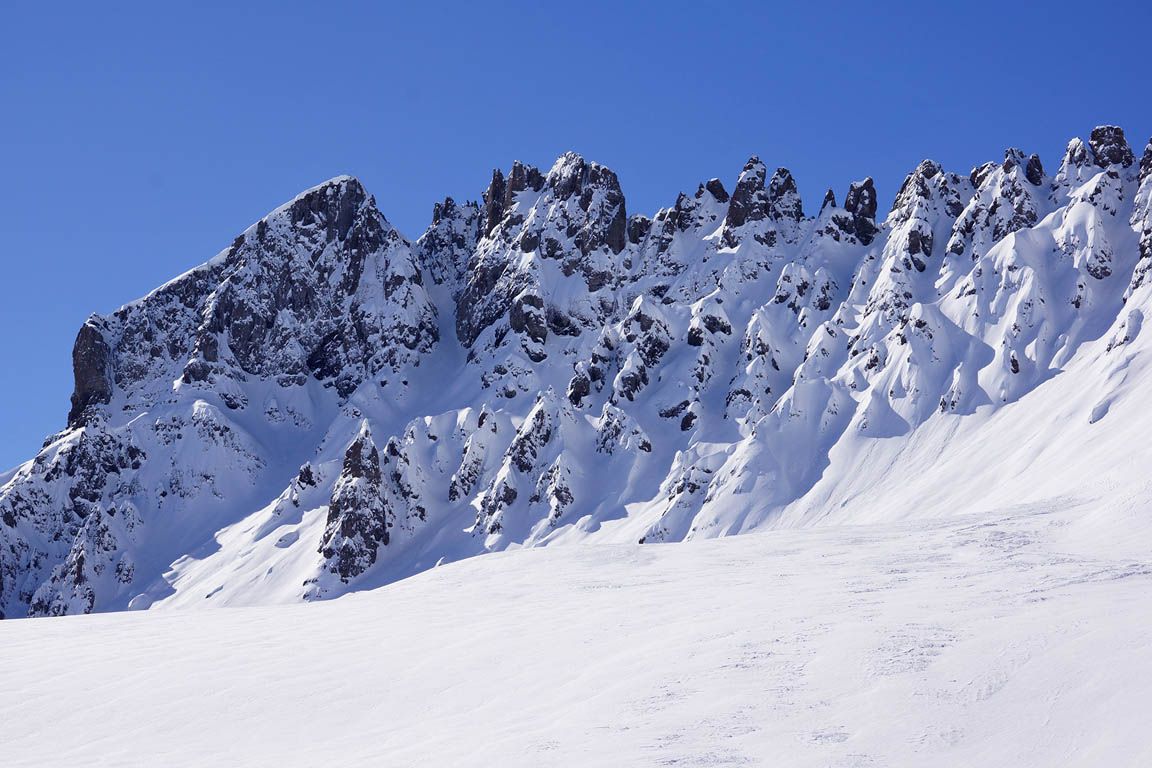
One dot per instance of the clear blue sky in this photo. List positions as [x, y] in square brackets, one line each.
[136, 141]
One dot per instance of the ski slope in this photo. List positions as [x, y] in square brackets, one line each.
[1014, 637]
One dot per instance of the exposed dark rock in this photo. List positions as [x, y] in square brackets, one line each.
[608, 225]
[688, 420]
[1034, 172]
[638, 228]
[533, 435]
[91, 368]
[741, 204]
[358, 521]
[521, 178]
[920, 243]
[560, 323]
[1110, 147]
[446, 246]
[494, 198]
[615, 234]
[778, 202]
[1005, 202]
[717, 189]
[861, 198]
[332, 207]
[527, 316]
[861, 203]
[619, 432]
[716, 324]
[579, 388]
[783, 197]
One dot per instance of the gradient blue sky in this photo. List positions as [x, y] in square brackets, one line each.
[136, 141]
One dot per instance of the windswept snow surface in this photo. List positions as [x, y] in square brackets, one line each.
[1014, 637]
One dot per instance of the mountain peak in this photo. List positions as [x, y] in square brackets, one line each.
[829, 200]
[331, 205]
[343, 180]
[520, 178]
[572, 175]
[783, 197]
[1110, 147]
[861, 198]
[714, 187]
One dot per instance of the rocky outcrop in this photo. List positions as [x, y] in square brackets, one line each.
[575, 216]
[92, 370]
[358, 520]
[1109, 147]
[776, 206]
[745, 202]
[1006, 200]
[443, 251]
[534, 484]
[322, 288]
[860, 203]
[481, 451]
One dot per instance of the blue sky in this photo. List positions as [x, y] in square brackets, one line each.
[136, 141]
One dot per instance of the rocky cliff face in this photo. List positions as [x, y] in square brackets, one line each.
[325, 406]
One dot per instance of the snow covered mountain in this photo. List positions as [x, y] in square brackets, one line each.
[326, 406]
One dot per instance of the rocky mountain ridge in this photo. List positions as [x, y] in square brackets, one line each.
[326, 406]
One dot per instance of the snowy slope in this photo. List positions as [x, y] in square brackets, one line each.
[327, 407]
[1015, 637]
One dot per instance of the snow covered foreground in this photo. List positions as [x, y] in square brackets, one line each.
[1020, 637]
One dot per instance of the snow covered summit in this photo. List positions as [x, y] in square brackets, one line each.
[326, 406]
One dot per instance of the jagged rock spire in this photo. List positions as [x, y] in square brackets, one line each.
[1034, 171]
[776, 201]
[92, 370]
[1106, 147]
[861, 203]
[715, 188]
[783, 197]
[358, 521]
[494, 198]
[1109, 147]
[829, 200]
[446, 246]
[751, 181]
[598, 193]
[861, 198]
[916, 183]
[521, 178]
